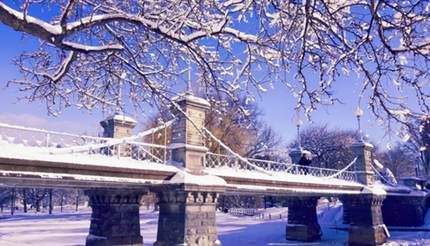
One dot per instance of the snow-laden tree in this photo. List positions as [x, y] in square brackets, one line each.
[400, 160]
[90, 50]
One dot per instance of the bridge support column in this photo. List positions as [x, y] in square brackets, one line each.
[366, 224]
[114, 218]
[302, 219]
[187, 215]
[405, 209]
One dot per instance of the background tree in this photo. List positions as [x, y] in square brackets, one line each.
[40, 200]
[331, 148]
[91, 49]
[400, 160]
[417, 142]
[36, 196]
[247, 135]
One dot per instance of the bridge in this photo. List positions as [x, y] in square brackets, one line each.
[117, 169]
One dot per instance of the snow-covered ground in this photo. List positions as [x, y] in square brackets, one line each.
[71, 228]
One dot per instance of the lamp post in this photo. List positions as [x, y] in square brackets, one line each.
[296, 153]
[358, 114]
[189, 91]
[118, 109]
[299, 122]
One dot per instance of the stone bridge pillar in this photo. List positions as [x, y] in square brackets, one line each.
[367, 227]
[295, 155]
[363, 165]
[115, 212]
[188, 200]
[114, 218]
[187, 215]
[302, 219]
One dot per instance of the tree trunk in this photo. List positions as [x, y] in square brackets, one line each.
[265, 201]
[24, 199]
[61, 201]
[51, 206]
[77, 201]
[12, 202]
[37, 205]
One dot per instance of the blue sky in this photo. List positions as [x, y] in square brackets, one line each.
[277, 104]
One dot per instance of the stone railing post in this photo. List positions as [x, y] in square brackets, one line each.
[119, 126]
[295, 155]
[187, 145]
[363, 165]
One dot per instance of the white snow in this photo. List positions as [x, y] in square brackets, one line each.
[121, 117]
[374, 189]
[187, 178]
[38, 154]
[192, 98]
[65, 176]
[187, 146]
[277, 176]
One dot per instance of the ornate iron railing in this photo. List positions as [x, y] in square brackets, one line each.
[56, 143]
[225, 161]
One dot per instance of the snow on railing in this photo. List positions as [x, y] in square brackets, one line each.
[242, 211]
[386, 176]
[55, 143]
[218, 161]
[33, 137]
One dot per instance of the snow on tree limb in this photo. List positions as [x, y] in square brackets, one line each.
[50, 33]
[236, 48]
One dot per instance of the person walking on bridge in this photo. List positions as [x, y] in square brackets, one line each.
[305, 161]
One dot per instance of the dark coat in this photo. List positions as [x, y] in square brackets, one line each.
[304, 162]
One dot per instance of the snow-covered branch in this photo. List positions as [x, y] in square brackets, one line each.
[235, 48]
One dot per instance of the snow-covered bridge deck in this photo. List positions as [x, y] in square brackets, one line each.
[22, 165]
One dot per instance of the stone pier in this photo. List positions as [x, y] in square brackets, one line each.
[302, 219]
[187, 215]
[366, 227]
[114, 218]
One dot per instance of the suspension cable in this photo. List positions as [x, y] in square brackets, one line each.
[342, 170]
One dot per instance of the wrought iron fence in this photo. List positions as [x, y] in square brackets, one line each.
[56, 143]
[218, 160]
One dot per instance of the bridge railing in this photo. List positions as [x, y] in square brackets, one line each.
[217, 161]
[33, 137]
[57, 143]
